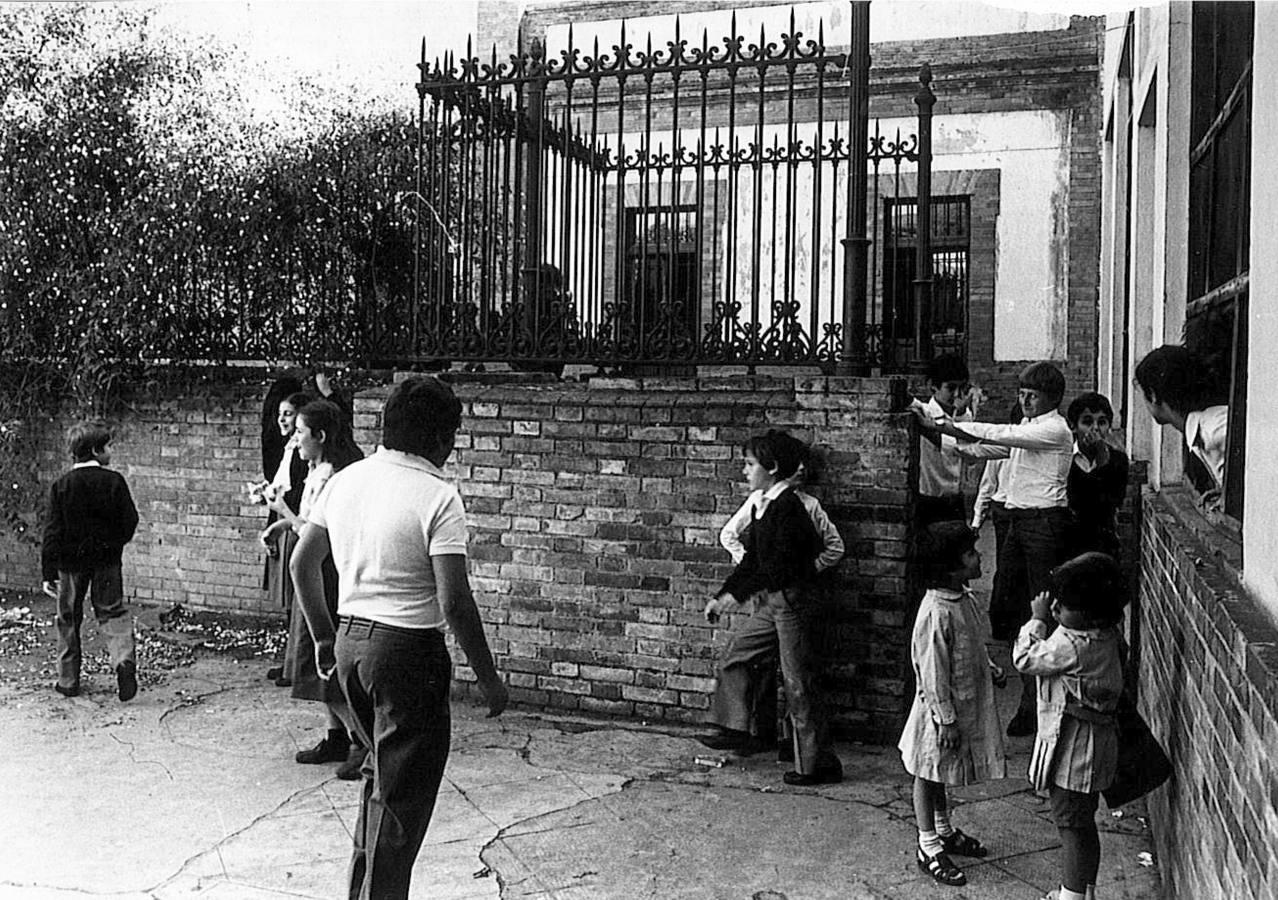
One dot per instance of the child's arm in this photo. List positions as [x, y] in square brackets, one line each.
[1035, 653]
[989, 484]
[1044, 435]
[935, 670]
[730, 534]
[831, 541]
[53, 531]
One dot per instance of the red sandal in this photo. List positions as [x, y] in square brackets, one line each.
[941, 868]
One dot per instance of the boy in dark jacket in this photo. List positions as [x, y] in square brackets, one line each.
[775, 578]
[91, 518]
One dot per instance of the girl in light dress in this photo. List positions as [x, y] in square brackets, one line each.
[952, 735]
[324, 441]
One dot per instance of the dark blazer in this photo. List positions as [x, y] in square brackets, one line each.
[781, 550]
[91, 518]
[1094, 499]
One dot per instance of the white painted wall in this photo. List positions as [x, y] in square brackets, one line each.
[1260, 512]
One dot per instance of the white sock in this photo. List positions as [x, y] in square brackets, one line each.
[943, 826]
[1067, 894]
[930, 843]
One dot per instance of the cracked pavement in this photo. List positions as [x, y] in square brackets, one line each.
[190, 790]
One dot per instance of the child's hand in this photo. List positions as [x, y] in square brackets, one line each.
[1041, 607]
[998, 675]
[50, 589]
[950, 737]
[923, 418]
[718, 606]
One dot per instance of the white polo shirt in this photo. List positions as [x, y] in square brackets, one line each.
[1206, 436]
[386, 516]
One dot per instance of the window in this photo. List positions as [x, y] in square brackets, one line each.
[951, 244]
[661, 268]
[1219, 219]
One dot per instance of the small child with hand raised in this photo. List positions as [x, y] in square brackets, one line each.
[1080, 680]
[952, 735]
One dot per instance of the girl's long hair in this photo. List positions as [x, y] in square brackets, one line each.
[272, 441]
[340, 449]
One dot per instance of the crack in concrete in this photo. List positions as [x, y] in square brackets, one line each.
[217, 845]
[133, 754]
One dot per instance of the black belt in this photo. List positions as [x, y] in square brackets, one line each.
[1036, 511]
[355, 625]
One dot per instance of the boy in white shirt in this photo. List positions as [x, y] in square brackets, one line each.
[940, 495]
[1039, 451]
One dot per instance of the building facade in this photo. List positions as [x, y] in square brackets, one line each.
[1185, 241]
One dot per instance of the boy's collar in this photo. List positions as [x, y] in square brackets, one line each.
[87, 463]
[778, 488]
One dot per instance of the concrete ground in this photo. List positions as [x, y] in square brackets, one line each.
[190, 790]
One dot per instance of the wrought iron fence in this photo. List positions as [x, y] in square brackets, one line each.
[677, 205]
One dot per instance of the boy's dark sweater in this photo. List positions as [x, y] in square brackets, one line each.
[91, 518]
[1094, 497]
[781, 547]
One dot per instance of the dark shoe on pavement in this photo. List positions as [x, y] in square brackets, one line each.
[725, 739]
[828, 774]
[274, 672]
[283, 682]
[352, 769]
[73, 691]
[330, 749]
[126, 679]
[1023, 724]
[956, 843]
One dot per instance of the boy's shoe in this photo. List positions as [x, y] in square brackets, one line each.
[328, 750]
[828, 773]
[725, 739]
[73, 691]
[283, 682]
[126, 679]
[1023, 724]
[353, 768]
[941, 868]
[274, 672]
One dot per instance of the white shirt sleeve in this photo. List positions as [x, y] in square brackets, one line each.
[984, 493]
[1044, 434]
[831, 540]
[730, 534]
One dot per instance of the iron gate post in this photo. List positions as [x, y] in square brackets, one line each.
[922, 350]
[535, 118]
[856, 244]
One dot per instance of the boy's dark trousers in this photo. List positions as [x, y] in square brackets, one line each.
[105, 589]
[396, 682]
[777, 626]
[1037, 540]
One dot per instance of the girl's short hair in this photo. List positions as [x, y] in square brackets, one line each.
[1092, 584]
[939, 550]
[777, 451]
[340, 449]
[86, 440]
[1088, 402]
[1044, 378]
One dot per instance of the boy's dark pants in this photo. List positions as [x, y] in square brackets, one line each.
[777, 626]
[104, 587]
[395, 681]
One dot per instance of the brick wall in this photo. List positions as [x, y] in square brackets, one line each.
[595, 511]
[1209, 688]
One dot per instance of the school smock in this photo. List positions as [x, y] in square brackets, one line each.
[1069, 752]
[952, 674]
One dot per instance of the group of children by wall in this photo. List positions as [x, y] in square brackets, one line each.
[1051, 487]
